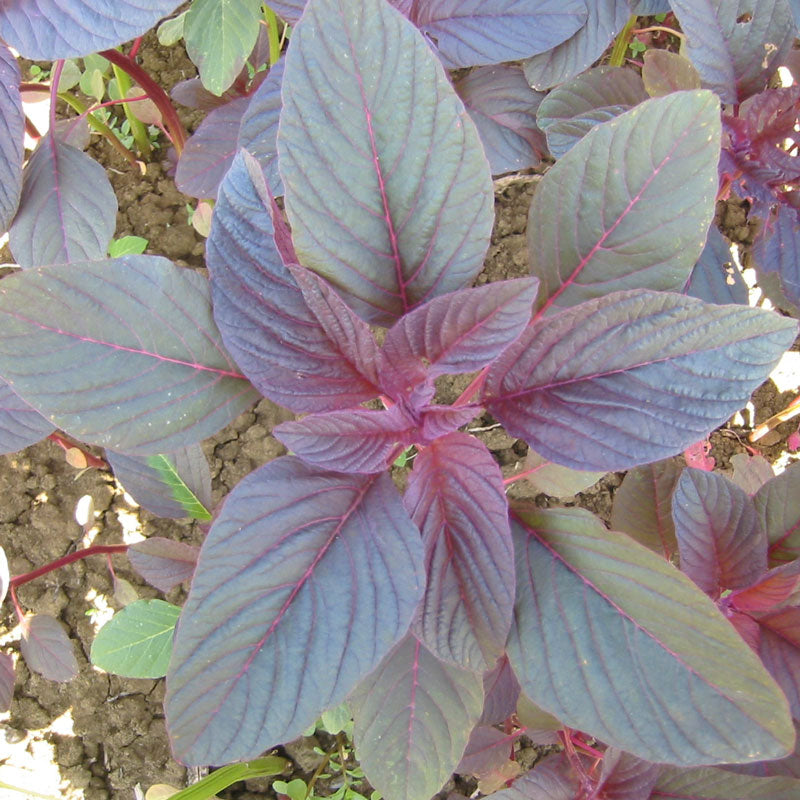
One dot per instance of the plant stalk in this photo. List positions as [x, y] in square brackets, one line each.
[621, 43]
[138, 128]
[94, 550]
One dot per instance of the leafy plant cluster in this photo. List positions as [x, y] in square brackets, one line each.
[443, 612]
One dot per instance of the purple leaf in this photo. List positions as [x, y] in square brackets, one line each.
[146, 487]
[707, 783]
[147, 375]
[355, 440]
[487, 751]
[570, 111]
[348, 333]
[632, 377]
[725, 41]
[6, 681]
[503, 108]
[778, 505]
[455, 496]
[459, 332]
[621, 224]
[602, 626]
[68, 210]
[774, 588]
[664, 72]
[643, 506]
[472, 32]
[413, 717]
[399, 214]
[47, 649]
[750, 472]
[647, 7]
[715, 278]
[625, 777]
[193, 94]
[163, 563]
[219, 36]
[45, 30]
[289, 10]
[12, 128]
[333, 575]
[209, 152]
[501, 690]
[20, 424]
[720, 539]
[438, 421]
[260, 310]
[779, 649]
[259, 130]
[551, 779]
[788, 767]
[780, 253]
[605, 21]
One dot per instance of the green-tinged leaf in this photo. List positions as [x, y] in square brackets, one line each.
[170, 31]
[635, 198]
[181, 493]
[137, 641]
[127, 246]
[120, 353]
[555, 480]
[388, 189]
[665, 72]
[219, 35]
[708, 783]
[615, 641]
[413, 717]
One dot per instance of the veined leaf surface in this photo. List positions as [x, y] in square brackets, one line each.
[635, 198]
[121, 353]
[602, 625]
[12, 129]
[396, 206]
[332, 575]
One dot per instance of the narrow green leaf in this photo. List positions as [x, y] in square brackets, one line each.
[137, 641]
[181, 493]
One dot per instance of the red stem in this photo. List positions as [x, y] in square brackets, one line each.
[55, 80]
[94, 550]
[521, 475]
[177, 133]
[474, 387]
[65, 444]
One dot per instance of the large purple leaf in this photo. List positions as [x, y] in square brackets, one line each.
[260, 310]
[606, 18]
[632, 377]
[6, 681]
[551, 779]
[455, 496]
[67, 211]
[472, 32]
[355, 440]
[209, 152]
[503, 108]
[778, 505]
[413, 717]
[121, 353]
[289, 10]
[163, 563]
[12, 128]
[258, 133]
[48, 29]
[501, 691]
[145, 485]
[715, 278]
[459, 332]
[396, 208]
[707, 783]
[570, 111]
[625, 777]
[779, 649]
[787, 767]
[330, 574]
[780, 253]
[20, 424]
[725, 40]
[47, 649]
[635, 197]
[720, 539]
[614, 641]
[643, 506]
